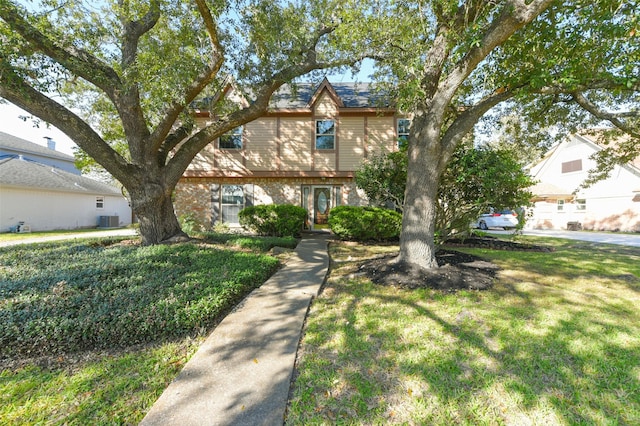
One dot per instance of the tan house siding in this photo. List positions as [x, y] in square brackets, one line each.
[324, 161]
[296, 135]
[230, 159]
[262, 144]
[325, 107]
[205, 159]
[381, 134]
[351, 149]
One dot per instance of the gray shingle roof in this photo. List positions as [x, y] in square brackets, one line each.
[353, 95]
[12, 143]
[29, 174]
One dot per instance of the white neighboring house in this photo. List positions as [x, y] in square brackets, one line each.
[42, 188]
[612, 204]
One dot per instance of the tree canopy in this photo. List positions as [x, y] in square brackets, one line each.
[119, 77]
[452, 62]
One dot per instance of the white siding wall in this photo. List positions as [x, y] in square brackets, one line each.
[609, 203]
[45, 211]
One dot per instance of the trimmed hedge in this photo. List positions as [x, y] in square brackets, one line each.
[275, 220]
[365, 223]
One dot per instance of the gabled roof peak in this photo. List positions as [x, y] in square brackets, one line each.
[326, 86]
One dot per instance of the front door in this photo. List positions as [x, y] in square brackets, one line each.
[321, 206]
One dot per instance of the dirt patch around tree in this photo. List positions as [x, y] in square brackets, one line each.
[456, 271]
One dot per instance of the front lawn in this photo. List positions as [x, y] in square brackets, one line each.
[91, 332]
[555, 341]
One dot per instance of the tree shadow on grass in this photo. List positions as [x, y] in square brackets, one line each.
[522, 352]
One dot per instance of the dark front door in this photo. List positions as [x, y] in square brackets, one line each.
[321, 205]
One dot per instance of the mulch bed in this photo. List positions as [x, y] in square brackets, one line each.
[456, 270]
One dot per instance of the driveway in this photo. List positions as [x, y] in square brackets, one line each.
[631, 240]
[72, 236]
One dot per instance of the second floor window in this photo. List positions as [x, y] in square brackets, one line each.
[325, 134]
[231, 140]
[403, 131]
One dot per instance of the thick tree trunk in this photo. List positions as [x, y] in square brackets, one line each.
[417, 244]
[153, 207]
[425, 165]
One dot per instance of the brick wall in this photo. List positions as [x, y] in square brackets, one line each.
[193, 195]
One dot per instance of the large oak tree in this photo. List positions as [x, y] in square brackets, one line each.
[119, 77]
[454, 61]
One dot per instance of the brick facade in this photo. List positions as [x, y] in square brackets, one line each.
[194, 195]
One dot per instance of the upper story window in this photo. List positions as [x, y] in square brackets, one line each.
[231, 140]
[325, 134]
[572, 166]
[403, 131]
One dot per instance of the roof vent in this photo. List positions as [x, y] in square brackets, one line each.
[51, 144]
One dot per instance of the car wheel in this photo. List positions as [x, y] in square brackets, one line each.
[483, 226]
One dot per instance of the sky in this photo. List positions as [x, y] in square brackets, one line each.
[11, 123]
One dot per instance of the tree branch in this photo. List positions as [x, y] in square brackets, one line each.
[515, 14]
[19, 92]
[200, 82]
[78, 61]
[469, 117]
[593, 109]
[133, 30]
[257, 108]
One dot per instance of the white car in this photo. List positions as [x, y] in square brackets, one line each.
[506, 219]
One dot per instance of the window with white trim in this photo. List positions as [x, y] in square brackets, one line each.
[403, 131]
[581, 205]
[99, 203]
[231, 140]
[232, 201]
[560, 205]
[325, 134]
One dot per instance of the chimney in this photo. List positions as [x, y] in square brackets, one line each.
[51, 144]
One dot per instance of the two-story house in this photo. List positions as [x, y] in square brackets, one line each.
[612, 204]
[304, 151]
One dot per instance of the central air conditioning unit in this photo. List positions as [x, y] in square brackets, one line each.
[22, 228]
[109, 222]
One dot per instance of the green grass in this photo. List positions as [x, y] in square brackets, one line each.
[23, 236]
[92, 332]
[555, 341]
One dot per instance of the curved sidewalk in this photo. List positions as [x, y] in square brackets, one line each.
[242, 372]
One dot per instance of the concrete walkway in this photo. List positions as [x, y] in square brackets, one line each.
[242, 372]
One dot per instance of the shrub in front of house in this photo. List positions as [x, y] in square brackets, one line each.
[275, 220]
[365, 223]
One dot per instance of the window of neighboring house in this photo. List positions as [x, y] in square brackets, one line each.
[572, 166]
[231, 203]
[99, 202]
[560, 205]
[231, 140]
[581, 205]
[403, 131]
[325, 134]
